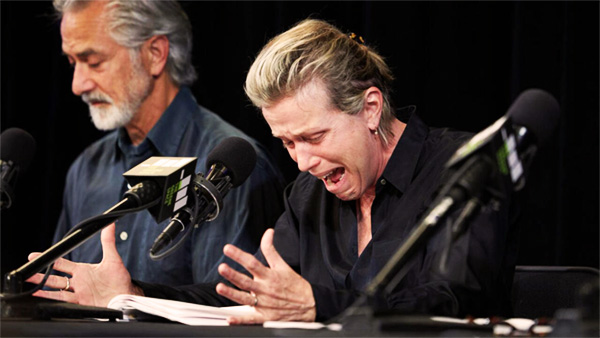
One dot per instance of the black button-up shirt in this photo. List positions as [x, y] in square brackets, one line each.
[317, 237]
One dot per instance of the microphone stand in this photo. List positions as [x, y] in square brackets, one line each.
[469, 180]
[140, 197]
[491, 169]
[447, 201]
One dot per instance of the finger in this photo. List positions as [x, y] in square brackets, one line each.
[238, 279]
[256, 318]
[248, 261]
[64, 265]
[33, 255]
[109, 249]
[61, 264]
[261, 315]
[57, 295]
[55, 282]
[36, 279]
[268, 249]
[240, 297]
[265, 300]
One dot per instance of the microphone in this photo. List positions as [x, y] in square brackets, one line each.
[17, 150]
[489, 162]
[498, 152]
[228, 165]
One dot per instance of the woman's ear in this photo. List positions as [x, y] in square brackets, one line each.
[373, 107]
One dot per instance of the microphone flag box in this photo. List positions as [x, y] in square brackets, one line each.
[173, 176]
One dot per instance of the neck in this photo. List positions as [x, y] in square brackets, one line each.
[386, 152]
[162, 94]
[397, 129]
[363, 218]
[365, 202]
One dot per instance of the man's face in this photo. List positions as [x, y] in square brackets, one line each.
[109, 77]
[333, 146]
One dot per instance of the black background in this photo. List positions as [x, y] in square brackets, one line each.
[461, 63]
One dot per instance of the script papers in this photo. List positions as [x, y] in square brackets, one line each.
[186, 313]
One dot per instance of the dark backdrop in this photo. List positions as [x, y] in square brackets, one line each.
[461, 63]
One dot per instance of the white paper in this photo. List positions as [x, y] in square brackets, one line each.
[186, 313]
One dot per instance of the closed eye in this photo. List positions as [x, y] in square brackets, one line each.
[288, 144]
[315, 138]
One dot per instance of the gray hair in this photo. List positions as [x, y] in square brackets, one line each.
[133, 22]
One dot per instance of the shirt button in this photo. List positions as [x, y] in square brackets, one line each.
[383, 181]
[123, 236]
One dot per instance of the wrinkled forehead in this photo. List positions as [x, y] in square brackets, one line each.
[305, 111]
[313, 91]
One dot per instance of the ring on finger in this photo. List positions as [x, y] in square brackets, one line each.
[68, 284]
[255, 299]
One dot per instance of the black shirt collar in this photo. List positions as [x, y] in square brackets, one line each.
[402, 164]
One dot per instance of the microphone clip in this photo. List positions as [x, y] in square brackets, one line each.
[205, 188]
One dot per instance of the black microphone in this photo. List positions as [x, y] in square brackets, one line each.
[488, 162]
[16, 153]
[504, 150]
[228, 165]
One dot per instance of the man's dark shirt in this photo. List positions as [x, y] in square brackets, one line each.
[317, 237]
[95, 183]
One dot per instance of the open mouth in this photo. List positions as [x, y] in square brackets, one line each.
[334, 177]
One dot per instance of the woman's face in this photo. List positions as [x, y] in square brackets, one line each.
[335, 147]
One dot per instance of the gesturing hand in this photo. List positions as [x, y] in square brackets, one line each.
[90, 284]
[277, 292]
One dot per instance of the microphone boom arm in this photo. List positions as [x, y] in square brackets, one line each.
[140, 197]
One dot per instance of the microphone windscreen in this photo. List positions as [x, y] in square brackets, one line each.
[237, 155]
[18, 146]
[536, 110]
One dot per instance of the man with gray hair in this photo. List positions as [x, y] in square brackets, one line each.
[132, 66]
